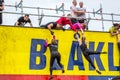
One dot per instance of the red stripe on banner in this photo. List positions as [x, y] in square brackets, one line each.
[42, 77]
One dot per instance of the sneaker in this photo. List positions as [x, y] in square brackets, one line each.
[63, 71]
[98, 71]
[103, 52]
[51, 77]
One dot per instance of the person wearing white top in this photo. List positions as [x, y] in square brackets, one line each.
[81, 13]
[73, 10]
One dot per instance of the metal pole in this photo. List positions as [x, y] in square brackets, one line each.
[112, 18]
[38, 15]
[22, 7]
[101, 11]
[63, 9]
[102, 22]
[40, 19]
[87, 21]
[56, 10]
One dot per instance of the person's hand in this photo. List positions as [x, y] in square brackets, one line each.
[2, 8]
[46, 40]
[52, 33]
[54, 37]
[63, 29]
[117, 32]
[77, 36]
[82, 33]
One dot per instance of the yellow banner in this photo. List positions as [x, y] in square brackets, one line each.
[21, 52]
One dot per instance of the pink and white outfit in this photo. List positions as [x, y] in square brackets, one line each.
[78, 26]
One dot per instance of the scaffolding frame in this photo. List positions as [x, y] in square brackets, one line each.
[61, 8]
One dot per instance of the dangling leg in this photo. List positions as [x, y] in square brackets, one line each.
[95, 52]
[51, 65]
[87, 57]
[59, 62]
[90, 61]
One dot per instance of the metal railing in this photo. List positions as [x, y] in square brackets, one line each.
[41, 15]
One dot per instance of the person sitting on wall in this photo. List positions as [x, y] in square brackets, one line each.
[23, 20]
[114, 31]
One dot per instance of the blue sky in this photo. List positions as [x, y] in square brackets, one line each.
[109, 6]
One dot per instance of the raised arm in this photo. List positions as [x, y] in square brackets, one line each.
[84, 38]
[31, 25]
[49, 27]
[46, 41]
[16, 24]
[78, 39]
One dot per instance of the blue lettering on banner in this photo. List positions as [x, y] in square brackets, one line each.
[75, 50]
[111, 60]
[79, 61]
[96, 57]
[34, 54]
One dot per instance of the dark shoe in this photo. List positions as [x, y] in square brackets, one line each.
[98, 71]
[51, 77]
[104, 53]
[63, 29]
[63, 71]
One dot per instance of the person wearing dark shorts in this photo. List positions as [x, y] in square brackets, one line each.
[74, 20]
[87, 52]
[50, 25]
[54, 25]
[54, 55]
[23, 20]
